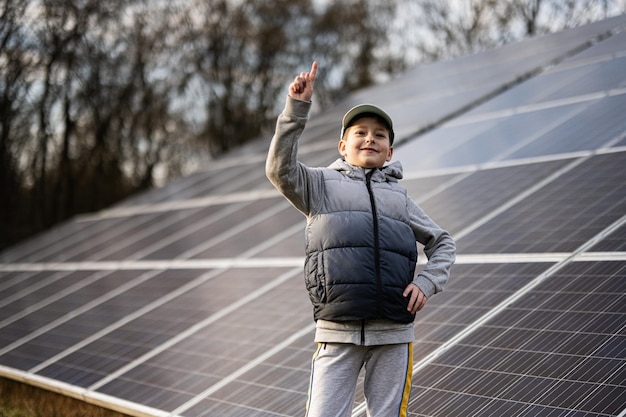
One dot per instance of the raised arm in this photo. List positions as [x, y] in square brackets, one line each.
[293, 179]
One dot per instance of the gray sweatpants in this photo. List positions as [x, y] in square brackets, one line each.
[335, 370]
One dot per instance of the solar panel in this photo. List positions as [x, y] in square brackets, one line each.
[469, 200]
[189, 300]
[559, 348]
[561, 215]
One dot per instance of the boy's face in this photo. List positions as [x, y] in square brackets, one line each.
[366, 144]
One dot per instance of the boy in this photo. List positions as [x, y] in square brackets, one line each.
[360, 257]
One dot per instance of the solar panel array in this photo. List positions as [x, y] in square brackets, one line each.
[189, 300]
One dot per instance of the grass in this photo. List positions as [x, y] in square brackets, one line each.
[22, 400]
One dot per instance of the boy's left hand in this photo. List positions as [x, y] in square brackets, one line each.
[417, 299]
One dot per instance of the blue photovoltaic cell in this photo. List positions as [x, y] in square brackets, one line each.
[560, 348]
[595, 126]
[603, 77]
[561, 216]
[262, 231]
[614, 242]
[468, 200]
[535, 89]
[509, 133]
[212, 231]
[427, 151]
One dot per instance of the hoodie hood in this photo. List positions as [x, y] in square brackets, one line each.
[391, 172]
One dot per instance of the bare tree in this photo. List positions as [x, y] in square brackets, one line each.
[242, 53]
[84, 120]
[16, 66]
[434, 29]
[352, 37]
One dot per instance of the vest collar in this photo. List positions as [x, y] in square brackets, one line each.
[391, 172]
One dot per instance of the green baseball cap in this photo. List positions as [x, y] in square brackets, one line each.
[363, 110]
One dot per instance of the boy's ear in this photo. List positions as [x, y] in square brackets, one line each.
[389, 153]
[341, 147]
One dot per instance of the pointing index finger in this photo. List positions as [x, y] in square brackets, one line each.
[313, 70]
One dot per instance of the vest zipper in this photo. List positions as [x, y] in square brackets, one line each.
[362, 332]
[379, 284]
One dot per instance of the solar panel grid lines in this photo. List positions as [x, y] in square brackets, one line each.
[481, 273]
[588, 198]
[169, 227]
[612, 47]
[129, 317]
[514, 143]
[508, 152]
[175, 225]
[233, 376]
[213, 181]
[612, 245]
[519, 197]
[123, 287]
[121, 231]
[164, 194]
[516, 108]
[298, 270]
[115, 319]
[465, 200]
[193, 239]
[225, 183]
[487, 361]
[572, 97]
[119, 243]
[276, 239]
[569, 370]
[578, 135]
[565, 131]
[620, 142]
[52, 241]
[520, 129]
[603, 77]
[262, 225]
[24, 283]
[204, 341]
[199, 202]
[192, 330]
[530, 94]
[422, 191]
[479, 90]
[162, 238]
[166, 264]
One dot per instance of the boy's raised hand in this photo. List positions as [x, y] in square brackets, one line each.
[302, 86]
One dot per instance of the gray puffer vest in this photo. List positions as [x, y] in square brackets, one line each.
[360, 250]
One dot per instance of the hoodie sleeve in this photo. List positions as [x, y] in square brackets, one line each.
[439, 247]
[292, 178]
